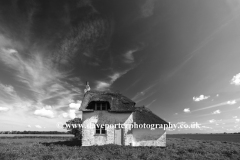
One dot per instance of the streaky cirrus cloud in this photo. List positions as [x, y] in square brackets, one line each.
[104, 85]
[148, 105]
[145, 93]
[10, 100]
[151, 93]
[200, 98]
[225, 23]
[235, 80]
[30, 71]
[41, 80]
[7, 89]
[7, 92]
[231, 102]
[115, 76]
[129, 58]
[79, 31]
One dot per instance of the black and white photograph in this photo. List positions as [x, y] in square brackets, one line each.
[119, 79]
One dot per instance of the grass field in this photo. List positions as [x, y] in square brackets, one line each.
[44, 148]
[213, 137]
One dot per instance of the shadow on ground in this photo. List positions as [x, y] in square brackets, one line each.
[64, 143]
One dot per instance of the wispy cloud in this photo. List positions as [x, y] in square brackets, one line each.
[129, 56]
[4, 41]
[30, 71]
[7, 89]
[133, 84]
[186, 110]
[231, 102]
[200, 98]
[147, 95]
[4, 109]
[225, 23]
[216, 112]
[44, 113]
[148, 105]
[230, 110]
[140, 96]
[104, 85]
[70, 114]
[73, 110]
[212, 121]
[42, 82]
[65, 115]
[235, 80]
[217, 105]
[205, 127]
[218, 121]
[38, 126]
[115, 76]
[148, 8]
[9, 99]
[7, 92]
[75, 105]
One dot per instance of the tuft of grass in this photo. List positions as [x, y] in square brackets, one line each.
[8, 156]
[48, 157]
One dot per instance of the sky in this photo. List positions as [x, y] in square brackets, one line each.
[180, 59]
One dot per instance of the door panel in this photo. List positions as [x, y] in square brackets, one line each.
[118, 136]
